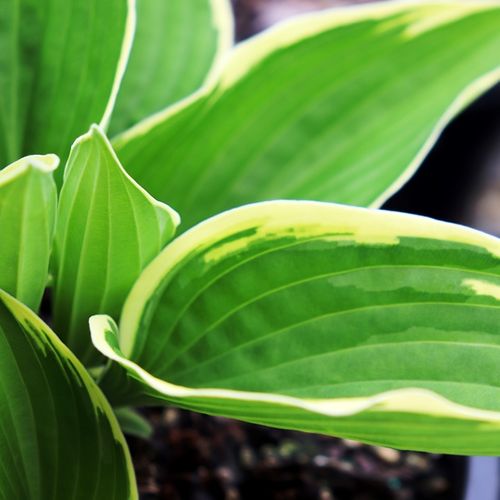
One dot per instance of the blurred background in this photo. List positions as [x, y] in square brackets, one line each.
[198, 457]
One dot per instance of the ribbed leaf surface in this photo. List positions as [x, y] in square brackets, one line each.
[176, 43]
[108, 229]
[59, 439]
[27, 217]
[377, 326]
[59, 71]
[338, 106]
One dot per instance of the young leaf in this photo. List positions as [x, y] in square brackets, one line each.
[59, 438]
[27, 217]
[108, 229]
[175, 45]
[337, 106]
[133, 423]
[53, 54]
[380, 327]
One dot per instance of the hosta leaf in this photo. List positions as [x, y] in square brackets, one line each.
[371, 325]
[27, 216]
[59, 439]
[175, 44]
[336, 106]
[108, 229]
[61, 62]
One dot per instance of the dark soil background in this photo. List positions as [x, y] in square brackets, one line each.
[197, 457]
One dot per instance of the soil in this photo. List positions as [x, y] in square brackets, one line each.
[253, 16]
[197, 457]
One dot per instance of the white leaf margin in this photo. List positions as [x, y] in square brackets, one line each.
[410, 400]
[127, 43]
[24, 315]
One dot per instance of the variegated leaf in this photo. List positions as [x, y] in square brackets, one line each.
[59, 438]
[376, 326]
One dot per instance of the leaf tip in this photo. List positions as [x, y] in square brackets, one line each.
[172, 214]
[44, 164]
[95, 132]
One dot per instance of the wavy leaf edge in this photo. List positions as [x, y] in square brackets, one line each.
[409, 400]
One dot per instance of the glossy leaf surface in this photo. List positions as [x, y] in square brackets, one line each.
[59, 439]
[108, 229]
[27, 217]
[176, 44]
[60, 65]
[376, 326]
[338, 106]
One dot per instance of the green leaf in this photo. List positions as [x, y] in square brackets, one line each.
[59, 438]
[371, 325]
[27, 216]
[336, 106]
[108, 229]
[61, 63]
[175, 45]
[133, 423]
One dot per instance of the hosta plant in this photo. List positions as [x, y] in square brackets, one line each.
[310, 315]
